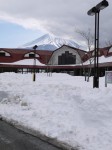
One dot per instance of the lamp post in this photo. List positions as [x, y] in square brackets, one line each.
[34, 74]
[95, 11]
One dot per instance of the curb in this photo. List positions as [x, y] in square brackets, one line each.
[53, 141]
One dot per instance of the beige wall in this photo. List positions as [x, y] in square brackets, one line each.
[54, 58]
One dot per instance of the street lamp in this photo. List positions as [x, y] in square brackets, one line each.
[95, 11]
[34, 74]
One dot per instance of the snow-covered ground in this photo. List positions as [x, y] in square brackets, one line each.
[62, 106]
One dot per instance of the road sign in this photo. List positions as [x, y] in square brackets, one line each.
[108, 77]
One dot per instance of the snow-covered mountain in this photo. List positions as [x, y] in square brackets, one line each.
[50, 42]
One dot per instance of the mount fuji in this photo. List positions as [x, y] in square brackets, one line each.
[50, 42]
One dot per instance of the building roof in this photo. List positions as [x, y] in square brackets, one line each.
[18, 54]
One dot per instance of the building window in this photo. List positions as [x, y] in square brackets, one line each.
[2, 54]
[31, 55]
[67, 58]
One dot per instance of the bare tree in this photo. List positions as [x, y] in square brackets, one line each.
[108, 43]
[89, 39]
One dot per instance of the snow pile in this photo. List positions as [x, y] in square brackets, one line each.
[26, 62]
[62, 106]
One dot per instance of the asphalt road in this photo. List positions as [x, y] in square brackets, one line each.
[14, 139]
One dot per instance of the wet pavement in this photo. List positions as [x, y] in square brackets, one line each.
[14, 139]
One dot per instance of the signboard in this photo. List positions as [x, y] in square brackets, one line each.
[108, 77]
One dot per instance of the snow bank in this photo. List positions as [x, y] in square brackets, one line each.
[62, 106]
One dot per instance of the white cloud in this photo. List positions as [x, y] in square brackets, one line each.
[60, 17]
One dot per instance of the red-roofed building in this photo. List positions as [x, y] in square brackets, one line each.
[63, 59]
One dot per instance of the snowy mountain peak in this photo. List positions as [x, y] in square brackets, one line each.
[50, 42]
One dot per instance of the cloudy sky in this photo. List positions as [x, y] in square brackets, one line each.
[22, 21]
